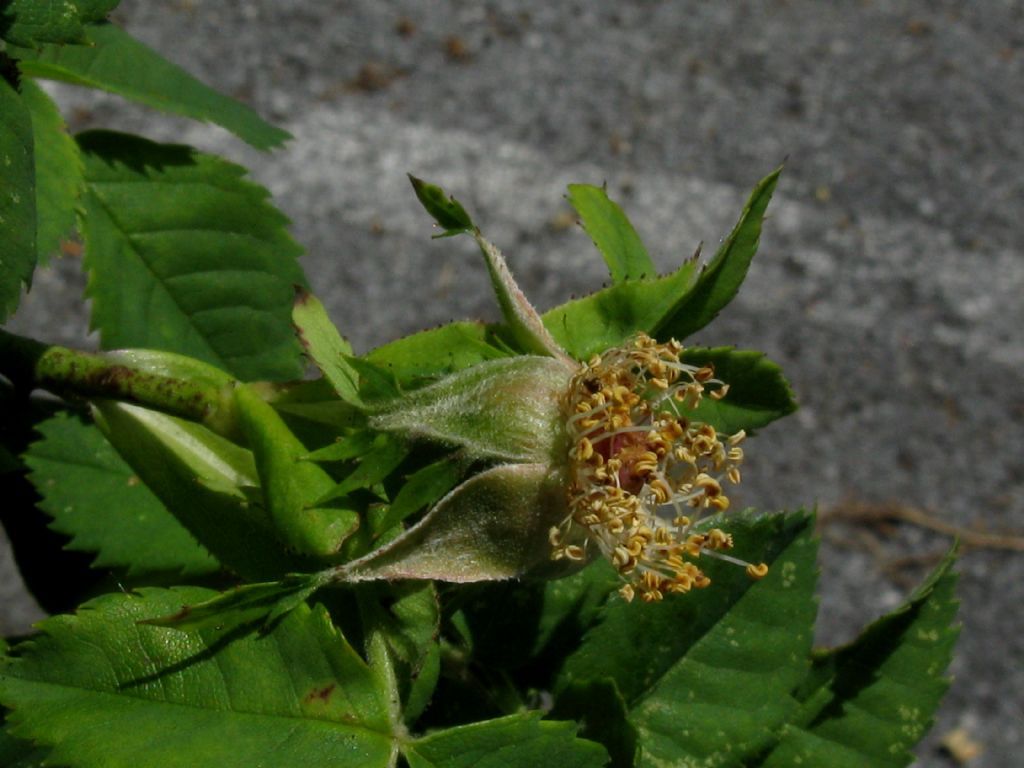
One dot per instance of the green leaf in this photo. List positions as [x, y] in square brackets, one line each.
[33, 22]
[17, 199]
[707, 675]
[316, 403]
[605, 319]
[95, 10]
[325, 346]
[571, 606]
[517, 741]
[248, 604]
[29, 22]
[344, 448]
[447, 211]
[296, 695]
[95, 498]
[294, 491]
[59, 179]
[437, 352]
[720, 280]
[870, 702]
[534, 624]
[114, 61]
[374, 466]
[603, 717]
[407, 616]
[376, 382]
[16, 753]
[186, 255]
[206, 482]
[758, 393]
[612, 233]
[423, 488]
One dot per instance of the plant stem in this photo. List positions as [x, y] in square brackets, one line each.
[145, 378]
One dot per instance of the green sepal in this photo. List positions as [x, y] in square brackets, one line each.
[493, 526]
[375, 465]
[249, 604]
[720, 280]
[614, 236]
[524, 327]
[507, 409]
[325, 346]
[421, 489]
[314, 402]
[290, 486]
[376, 382]
[605, 319]
[427, 355]
[344, 448]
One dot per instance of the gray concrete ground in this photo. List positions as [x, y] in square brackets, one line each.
[890, 276]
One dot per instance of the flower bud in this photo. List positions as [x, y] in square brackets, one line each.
[500, 410]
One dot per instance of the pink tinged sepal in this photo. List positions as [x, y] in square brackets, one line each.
[494, 526]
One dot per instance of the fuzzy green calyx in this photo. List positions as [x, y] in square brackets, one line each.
[508, 409]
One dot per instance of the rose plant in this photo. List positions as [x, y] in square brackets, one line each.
[483, 544]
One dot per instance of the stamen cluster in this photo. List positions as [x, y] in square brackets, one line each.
[642, 473]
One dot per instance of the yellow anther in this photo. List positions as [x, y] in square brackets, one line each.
[708, 485]
[584, 449]
[718, 539]
[704, 374]
[620, 557]
[758, 571]
[633, 455]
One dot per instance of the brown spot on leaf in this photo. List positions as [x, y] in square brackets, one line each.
[321, 694]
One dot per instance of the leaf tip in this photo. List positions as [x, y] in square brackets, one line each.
[446, 210]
